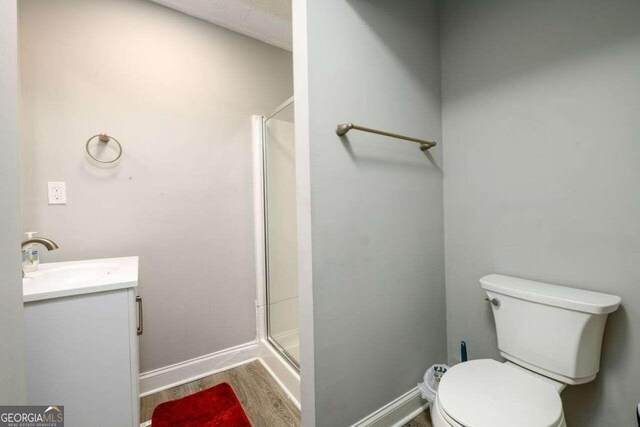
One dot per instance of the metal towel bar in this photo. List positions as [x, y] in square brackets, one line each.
[343, 128]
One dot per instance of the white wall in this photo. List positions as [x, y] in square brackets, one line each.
[12, 369]
[178, 93]
[303, 201]
[541, 134]
[376, 219]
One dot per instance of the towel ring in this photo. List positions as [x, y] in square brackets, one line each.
[103, 137]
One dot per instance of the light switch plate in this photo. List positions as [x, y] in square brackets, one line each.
[57, 193]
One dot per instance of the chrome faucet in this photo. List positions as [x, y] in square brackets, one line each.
[47, 243]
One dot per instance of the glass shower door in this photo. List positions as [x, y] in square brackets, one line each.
[281, 233]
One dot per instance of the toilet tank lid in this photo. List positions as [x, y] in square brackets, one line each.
[554, 295]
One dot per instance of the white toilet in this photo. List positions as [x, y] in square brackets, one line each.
[551, 337]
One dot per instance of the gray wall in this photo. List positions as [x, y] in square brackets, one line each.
[541, 129]
[376, 204]
[178, 93]
[12, 369]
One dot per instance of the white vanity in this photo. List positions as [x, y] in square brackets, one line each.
[82, 321]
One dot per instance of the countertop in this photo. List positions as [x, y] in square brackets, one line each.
[64, 279]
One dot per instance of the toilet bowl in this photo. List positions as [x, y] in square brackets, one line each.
[487, 393]
[551, 336]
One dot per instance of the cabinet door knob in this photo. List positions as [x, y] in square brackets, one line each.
[140, 317]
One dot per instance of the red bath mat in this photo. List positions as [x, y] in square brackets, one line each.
[215, 406]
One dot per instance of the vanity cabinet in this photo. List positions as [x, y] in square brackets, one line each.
[82, 353]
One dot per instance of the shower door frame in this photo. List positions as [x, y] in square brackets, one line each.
[281, 369]
[265, 200]
[271, 352]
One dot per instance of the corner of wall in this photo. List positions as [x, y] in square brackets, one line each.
[12, 372]
[305, 280]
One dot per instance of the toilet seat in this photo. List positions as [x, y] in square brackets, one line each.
[487, 393]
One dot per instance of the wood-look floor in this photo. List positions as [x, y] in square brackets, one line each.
[263, 400]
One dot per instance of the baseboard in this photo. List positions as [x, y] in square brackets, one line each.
[193, 369]
[287, 378]
[396, 413]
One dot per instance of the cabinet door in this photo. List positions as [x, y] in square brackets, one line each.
[79, 356]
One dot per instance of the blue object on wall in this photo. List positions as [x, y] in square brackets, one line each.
[463, 351]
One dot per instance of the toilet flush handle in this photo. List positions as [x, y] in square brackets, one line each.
[494, 301]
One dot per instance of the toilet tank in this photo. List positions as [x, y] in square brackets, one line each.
[553, 330]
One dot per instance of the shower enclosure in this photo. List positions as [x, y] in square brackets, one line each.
[279, 180]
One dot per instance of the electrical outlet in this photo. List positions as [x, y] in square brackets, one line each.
[57, 193]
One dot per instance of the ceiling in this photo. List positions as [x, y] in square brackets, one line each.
[266, 20]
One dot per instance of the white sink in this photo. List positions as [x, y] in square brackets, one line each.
[60, 279]
[71, 274]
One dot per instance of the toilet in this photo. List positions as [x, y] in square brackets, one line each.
[550, 336]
